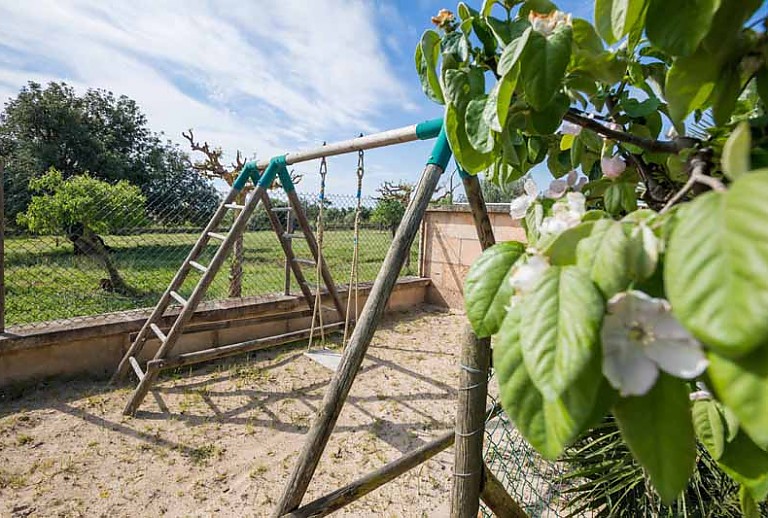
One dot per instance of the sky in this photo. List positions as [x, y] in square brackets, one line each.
[264, 77]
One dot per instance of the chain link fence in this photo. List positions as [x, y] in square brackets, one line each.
[126, 257]
[535, 483]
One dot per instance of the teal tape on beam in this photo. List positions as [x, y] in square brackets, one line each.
[275, 165]
[285, 178]
[247, 171]
[441, 151]
[429, 129]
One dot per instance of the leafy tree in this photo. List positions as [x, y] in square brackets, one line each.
[388, 212]
[643, 293]
[80, 208]
[99, 133]
[391, 203]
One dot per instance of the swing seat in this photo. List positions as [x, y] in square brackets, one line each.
[325, 357]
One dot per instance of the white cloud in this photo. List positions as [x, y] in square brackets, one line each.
[262, 77]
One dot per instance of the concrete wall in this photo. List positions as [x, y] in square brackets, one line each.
[94, 348]
[450, 246]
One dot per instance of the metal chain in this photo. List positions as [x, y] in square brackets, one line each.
[317, 311]
[354, 276]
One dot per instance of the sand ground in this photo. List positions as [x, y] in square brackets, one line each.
[221, 439]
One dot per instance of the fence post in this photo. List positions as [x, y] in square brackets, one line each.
[2, 246]
[470, 424]
[473, 384]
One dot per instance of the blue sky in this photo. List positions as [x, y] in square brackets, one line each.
[262, 76]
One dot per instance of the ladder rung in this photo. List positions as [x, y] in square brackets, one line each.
[234, 206]
[181, 300]
[214, 235]
[136, 367]
[281, 209]
[198, 266]
[157, 332]
[305, 261]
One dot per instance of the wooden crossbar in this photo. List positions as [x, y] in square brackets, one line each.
[224, 351]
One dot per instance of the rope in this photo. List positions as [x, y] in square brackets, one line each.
[354, 275]
[317, 311]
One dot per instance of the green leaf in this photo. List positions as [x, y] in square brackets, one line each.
[501, 29]
[747, 464]
[548, 119]
[463, 85]
[563, 315]
[512, 52]
[642, 251]
[679, 31]
[497, 106]
[478, 131]
[427, 53]
[743, 386]
[635, 108]
[710, 426]
[748, 506]
[762, 86]
[543, 65]
[690, 81]
[585, 38]
[470, 159]
[726, 94]
[658, 430]
[736, 159]
[455, 46]
[620, 196]
[615, 18]
[548, 426]
[603, 255]
[487, 290]
[562, 250]
[716, 264]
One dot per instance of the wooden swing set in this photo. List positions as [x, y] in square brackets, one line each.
[471, 480]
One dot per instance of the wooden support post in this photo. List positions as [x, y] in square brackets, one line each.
[497, 499]
[473, 385]
[470, 424]
[359, 488]
[353, 354]
[479, 210]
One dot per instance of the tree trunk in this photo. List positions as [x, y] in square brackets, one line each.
[236, 265]
[92, 245]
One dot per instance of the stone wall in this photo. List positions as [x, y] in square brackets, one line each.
[94, 348]
[449, 247]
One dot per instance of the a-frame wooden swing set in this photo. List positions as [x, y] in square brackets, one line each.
[262, 174]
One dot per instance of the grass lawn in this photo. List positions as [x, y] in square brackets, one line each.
[45, 281]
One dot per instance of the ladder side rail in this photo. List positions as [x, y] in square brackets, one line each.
[177, 280]
[301, 217]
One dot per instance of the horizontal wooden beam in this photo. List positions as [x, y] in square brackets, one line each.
[238, 348]
[334, 501]
[341, 497]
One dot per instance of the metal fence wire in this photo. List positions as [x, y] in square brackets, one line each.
[49, 277]
[531, 480]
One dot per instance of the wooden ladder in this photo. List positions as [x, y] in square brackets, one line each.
[169, 337]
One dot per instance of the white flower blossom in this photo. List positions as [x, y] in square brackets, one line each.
[547, 23]
[569, 128]
[519, 206]
[557, 188]
[640, 336]
[566, 213]
[526, 274]
[612, 167]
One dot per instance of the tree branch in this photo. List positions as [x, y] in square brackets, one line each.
[699, 169]
[656, 146]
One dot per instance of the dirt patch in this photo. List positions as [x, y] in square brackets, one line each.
[222, 439]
